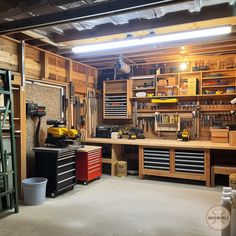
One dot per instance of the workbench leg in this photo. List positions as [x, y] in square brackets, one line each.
[113, 168]
[116, 153]
[212, 177]
[141, 166]
[172, 160]
[207, 166]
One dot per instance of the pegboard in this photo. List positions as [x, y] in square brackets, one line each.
[44, 96]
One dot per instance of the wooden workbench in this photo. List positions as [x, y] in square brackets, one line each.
[168, 158]
[163, 143]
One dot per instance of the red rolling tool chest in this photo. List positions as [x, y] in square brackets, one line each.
[88, 163]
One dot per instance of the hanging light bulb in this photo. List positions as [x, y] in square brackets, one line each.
[183, 65]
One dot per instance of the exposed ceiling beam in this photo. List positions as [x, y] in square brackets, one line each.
[212, 12]
[42, 38]
[84, 13]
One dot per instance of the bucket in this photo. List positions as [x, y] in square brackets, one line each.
[34, 190]
[121, 168]
[232, 180]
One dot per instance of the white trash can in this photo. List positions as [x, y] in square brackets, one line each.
[34, 190]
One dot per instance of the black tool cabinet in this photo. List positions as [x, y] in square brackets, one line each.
[58, 165]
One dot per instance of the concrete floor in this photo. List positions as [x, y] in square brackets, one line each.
[119, 207]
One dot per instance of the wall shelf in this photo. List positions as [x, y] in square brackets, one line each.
[219, 77]
[218, 86]
[142, 89]
[184, 96]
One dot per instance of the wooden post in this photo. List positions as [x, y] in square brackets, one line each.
[22, 115]
[44, 65]
[70, 115]
[207, 167]
[141, 166]
[172, 160]
[116, 151]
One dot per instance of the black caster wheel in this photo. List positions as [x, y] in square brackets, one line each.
[53, 195]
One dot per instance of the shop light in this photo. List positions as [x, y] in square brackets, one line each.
[183, 66]
[153, 39]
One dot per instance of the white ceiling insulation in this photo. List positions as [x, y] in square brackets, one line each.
[191, 6]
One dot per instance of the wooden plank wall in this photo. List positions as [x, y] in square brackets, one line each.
[8, 55]
[44, 66]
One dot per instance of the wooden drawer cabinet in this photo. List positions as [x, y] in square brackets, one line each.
[158, 159]
[58, 165]
[88, 163]
[176, 163]
[116, 99]
[189, 161]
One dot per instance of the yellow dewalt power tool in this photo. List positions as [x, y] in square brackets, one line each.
[58, 135]
[185, 135]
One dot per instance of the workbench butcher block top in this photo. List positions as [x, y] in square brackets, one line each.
[163, 143]
[88, 148]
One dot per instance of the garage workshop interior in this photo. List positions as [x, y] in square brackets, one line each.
[118, 118]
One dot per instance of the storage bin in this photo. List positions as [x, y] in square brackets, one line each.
[121, 168]
[34, 191]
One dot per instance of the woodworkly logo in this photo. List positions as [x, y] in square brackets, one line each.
[218, 218]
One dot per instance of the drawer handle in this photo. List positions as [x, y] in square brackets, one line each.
[73, 162]
[93, 156]
[64, 158]
[69, 186]
[93, 162]
[94, 170]
[64, 180]
[92, 167]
[65, 172]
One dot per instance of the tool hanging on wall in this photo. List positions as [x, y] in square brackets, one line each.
[77, 105]
[72, 97]
[34, 110]
[167, 122]
[92, 112]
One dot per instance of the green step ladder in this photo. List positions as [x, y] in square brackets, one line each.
[8, 165]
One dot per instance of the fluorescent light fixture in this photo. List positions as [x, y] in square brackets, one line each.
[153, 39]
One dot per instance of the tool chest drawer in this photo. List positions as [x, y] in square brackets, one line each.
[116, 99]
[189, 161]
[88, 163]
[66, 167]
[58, 165]
[115, 106]
[158, 159]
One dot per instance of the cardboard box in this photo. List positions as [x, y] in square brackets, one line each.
[172, 81]
[219, 135]
[162, 82]
[232, 138]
